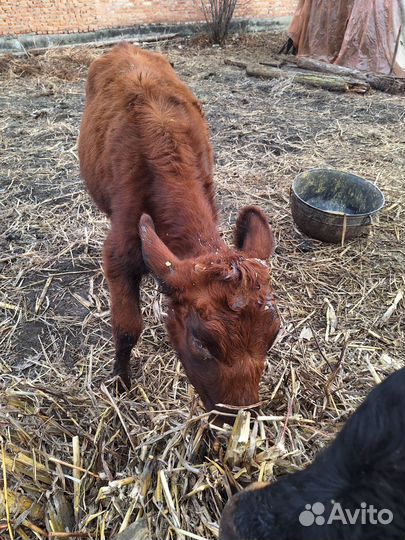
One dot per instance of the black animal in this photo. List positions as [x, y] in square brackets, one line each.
[354, 490]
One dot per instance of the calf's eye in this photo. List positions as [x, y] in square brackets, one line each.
[200, 347]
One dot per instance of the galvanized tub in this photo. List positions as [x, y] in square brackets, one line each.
[334, 206]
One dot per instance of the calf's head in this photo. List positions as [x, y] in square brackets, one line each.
[222, 316]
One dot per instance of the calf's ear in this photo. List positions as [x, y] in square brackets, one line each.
[160, 260]
[253, 234]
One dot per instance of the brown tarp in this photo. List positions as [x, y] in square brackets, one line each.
[367, 35]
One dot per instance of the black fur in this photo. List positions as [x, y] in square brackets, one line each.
[365, 464]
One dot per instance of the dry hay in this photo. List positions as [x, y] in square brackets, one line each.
[74, 454]
[66, 64]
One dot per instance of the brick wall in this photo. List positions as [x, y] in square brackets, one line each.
[64, 16]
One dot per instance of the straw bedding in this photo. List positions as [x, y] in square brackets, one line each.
[79, 461]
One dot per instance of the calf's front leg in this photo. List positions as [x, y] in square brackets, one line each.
[124, 269]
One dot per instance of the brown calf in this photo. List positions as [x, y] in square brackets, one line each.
[147, 162]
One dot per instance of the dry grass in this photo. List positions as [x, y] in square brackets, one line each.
[68, 64]
[92, 462]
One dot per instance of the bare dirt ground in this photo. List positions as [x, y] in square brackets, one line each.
[147, 455]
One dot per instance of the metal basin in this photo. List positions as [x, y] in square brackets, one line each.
[334, 206]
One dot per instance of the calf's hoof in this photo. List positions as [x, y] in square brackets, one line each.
[123, 380]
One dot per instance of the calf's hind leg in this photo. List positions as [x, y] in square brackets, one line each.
[124, 267]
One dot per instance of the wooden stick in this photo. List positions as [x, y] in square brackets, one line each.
[344, 230]
[395, 49]
[235, 62]
[334, 83]
[378, 81]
